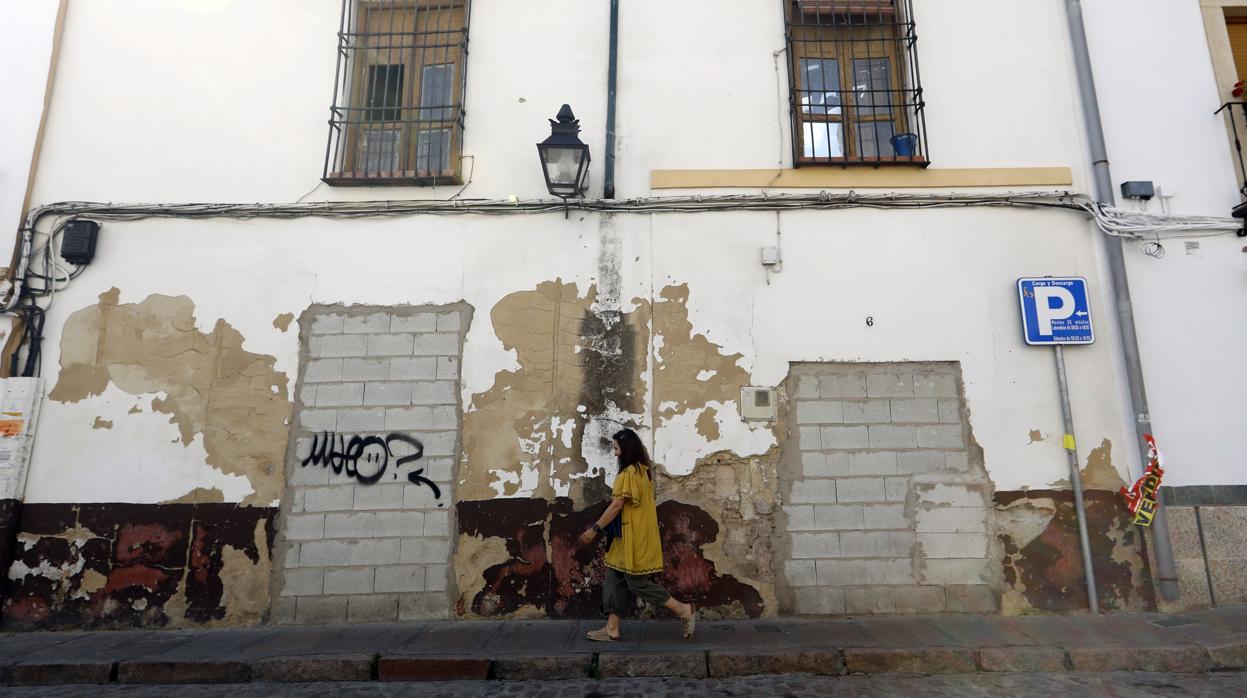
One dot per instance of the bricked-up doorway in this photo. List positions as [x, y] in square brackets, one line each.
[886, 498]
[364, 533]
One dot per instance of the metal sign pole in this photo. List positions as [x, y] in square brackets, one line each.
[1076, 479]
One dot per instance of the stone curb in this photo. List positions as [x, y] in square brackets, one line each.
[916, 660]
[312, 668]
[1023, 658]
[723, 663]
[557, 667]
[1225, 654]
[1185, 659]
[48, 674]
[1228, 654]
[677, 665]
[424, 668]
[218, 671]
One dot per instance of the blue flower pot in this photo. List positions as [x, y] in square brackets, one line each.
[905, 144]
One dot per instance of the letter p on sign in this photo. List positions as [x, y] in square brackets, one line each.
[1052, 303]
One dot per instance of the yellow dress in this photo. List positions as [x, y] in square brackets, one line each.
[640, 549]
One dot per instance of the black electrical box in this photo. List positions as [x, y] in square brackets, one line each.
[1138, 190]
[78, 242]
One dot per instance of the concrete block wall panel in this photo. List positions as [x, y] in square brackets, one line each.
[365, 526]
[886, 495]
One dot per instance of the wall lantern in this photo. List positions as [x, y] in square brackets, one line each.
[564, 158]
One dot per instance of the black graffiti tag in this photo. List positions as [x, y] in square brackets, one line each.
[366, 458]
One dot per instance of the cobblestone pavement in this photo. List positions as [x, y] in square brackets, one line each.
[1123, 685]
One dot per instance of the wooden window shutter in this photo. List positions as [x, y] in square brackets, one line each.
[1238, 44]
[810, 7]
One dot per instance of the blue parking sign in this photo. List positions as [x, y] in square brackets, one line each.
[1055, 310]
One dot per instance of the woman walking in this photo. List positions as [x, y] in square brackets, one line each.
[634, 555]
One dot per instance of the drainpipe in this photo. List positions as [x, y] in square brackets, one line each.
[612, 72]
[1121, 287]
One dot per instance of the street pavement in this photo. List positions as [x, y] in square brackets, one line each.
[1197, 651]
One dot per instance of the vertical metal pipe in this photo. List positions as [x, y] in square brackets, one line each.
[1121, 288]
[1075, 478]
[612, 74]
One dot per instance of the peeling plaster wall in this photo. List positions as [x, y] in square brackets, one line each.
[544, 429]
[553, 365]
[1042, 558]
[118, 565]
[231, 400]
[594, 322]
[1041, 555]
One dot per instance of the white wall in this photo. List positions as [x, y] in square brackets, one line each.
[26, 30]
[160, 111]
[226, 100]
[1158, 93]
[907, 270]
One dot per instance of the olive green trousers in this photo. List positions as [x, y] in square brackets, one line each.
[617, 585]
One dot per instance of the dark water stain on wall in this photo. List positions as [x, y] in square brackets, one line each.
[138, 565]
[9, 511]
[1043, 562]
[549, 571]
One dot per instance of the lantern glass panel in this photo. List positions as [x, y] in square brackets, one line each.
[563, 165]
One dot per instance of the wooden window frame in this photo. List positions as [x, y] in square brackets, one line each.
[417, 35]
[844, 32]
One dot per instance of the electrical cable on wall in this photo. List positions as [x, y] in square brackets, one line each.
[1111, 220]
[41, 274]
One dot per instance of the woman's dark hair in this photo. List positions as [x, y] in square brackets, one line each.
[631, 450]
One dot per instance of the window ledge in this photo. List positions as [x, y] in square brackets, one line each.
[844, 176]
[375, 179]
[895, 161]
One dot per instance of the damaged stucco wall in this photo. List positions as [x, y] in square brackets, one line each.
[229, 403]
[694, 277]
[123, 565]
[621, 323]
[537, 465]
[1041, 556]
[193, 558]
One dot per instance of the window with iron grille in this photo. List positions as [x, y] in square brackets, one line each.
[397, 114]
[855, 94]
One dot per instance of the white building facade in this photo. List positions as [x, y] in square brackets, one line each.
[339, 356]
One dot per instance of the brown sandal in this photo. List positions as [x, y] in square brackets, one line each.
[690, 623]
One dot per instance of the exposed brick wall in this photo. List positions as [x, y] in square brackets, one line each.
[366, 521]
[886, 501]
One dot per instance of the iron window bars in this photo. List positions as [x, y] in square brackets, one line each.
[1235, 129]
[855, 94]
[397, 113]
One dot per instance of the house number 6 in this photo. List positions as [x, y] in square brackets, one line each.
[870, 320]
